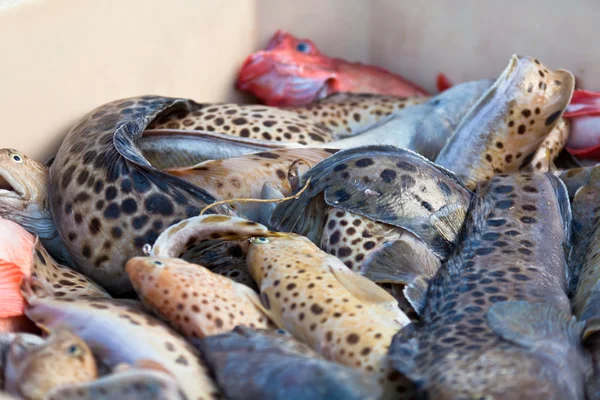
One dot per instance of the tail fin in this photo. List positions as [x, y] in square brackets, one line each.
[582, 103]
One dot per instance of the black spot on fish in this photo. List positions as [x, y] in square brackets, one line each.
[364, 162]
[407, 181]
[444, 188]
[490, 236]
[496, 222]
[341, 195]
[159, 204]
[484, 251]
[266, 154]
[403, 165]
[340, 167]
[112, 211]
[388, 175]
[504, 204]
[139, 222]
[503, 189]
[528, 220]
[550, 120]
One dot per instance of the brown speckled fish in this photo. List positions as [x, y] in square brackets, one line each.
[62, 359]
[24, 199]
[132, 384]
[107, 200]
[196, 301]
[505, 127]
[321, 302]
[497, 321]
[120, 331]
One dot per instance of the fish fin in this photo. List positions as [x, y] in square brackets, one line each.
[269, 192]
[403, 352]
[253, 297]
[399, 262]
[416, 293]
[303, 216]
[564, 204]
[442, 82]
[533, 325]
[583, 102]
[448, 220]
[12, 304]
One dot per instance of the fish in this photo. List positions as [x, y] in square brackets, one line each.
[107, 200]
[507, 124]
[120, 331]
[8, 372]
[245, 176]
[132, 384]
[272, 365]
[550, 148]
[195, 301]
[575, 178]
[496, 319]
[24, 200]
[292, 71]
[321, 302]
[62, 359]
[424, 128]
[389, 213]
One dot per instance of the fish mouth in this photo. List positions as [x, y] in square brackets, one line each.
[10, 187]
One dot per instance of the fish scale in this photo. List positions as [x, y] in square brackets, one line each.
[106, 198]
[505, 285]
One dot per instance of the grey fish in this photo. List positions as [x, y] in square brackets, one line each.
[270, 365]
[502, 131]
[389, 193]
[425, 127]
[497, 320]
[107, 200]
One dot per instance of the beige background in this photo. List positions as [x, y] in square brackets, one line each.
[61, 58]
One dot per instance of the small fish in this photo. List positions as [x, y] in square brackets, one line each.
[496, 319]
[120, 331]
[269, 365]
[424, 128]
[337, 312]
[62, 359]
[292, 71]
[24, 199]
[132, 384]
[504, 128]
[196, 301]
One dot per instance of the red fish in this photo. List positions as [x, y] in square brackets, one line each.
[292, 71]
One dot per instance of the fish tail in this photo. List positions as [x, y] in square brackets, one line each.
[12, 304]
[583, 103]
[442, 82]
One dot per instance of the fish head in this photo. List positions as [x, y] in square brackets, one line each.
[289, 71]
[22, 180]
[64, 358]
[149, 275]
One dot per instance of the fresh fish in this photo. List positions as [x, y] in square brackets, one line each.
[257, 364]
[337, 312]
[292, 71]
[390, 213]
[133, 384]
[9, 373]
[496, 320]
[118, 332]
[24, 200]
[506, 125]
[424, 128]
[107, 200]
[62, 359]
[245, 176]
[195, 301]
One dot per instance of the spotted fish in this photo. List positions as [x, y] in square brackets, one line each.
[195, 301]
[550, 148]
[62, 359]
[132, 384]
[271, 365]
[245, 176]
[118, 332]
[390, 213]
[501, 132]
[107, 199]
[425, 127]
[497, 321]
[24, 200]
[314, 296]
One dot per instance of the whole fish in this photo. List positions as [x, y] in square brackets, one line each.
[292, 71]
[271, 365]
[107, 200]
[195, 301]
[62, 359]
[387, 212]
[118, 332]
[320, 301]
[497, 321]
[133, 384]
[507, 124]
[424, 128]
[24, 200]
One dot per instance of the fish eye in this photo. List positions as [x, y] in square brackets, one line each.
[74, 350]
[16, 158]
[158, 263]
[261, 240]
[303, 47]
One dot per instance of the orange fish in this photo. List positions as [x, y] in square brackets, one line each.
[292, 72]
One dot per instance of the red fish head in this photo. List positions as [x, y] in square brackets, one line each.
[289, 71]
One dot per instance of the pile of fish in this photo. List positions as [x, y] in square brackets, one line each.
[343, 242]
